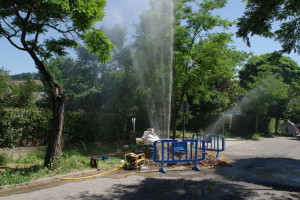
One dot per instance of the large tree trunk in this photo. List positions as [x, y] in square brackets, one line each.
[58, 101]
[54, 139]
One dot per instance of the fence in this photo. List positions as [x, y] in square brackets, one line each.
[174, 151]
[211, 142]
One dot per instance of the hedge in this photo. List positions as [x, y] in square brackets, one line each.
[89, 127]
[18, 125]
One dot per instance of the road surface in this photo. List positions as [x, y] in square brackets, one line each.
[263, 169]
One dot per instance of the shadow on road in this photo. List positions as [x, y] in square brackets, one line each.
[278, 173]
[295, 138]
[245, 180]
[171, 189]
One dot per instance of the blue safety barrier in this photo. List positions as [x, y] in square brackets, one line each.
[175, 151]
[212, 142]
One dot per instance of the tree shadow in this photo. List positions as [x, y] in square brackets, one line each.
[173, 189]
[278, 173]
[295, 138]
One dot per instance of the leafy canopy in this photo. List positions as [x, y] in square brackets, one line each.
[204, 58]
[261, 18]
[259, 67]
[47, 27]
[266, 93]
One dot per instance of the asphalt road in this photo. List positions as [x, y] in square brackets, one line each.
[264, 169]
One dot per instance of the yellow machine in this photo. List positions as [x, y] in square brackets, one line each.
[134, 161]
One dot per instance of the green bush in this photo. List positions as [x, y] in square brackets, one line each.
[79, 126]
[89, 127]
[18, 125]
[3, 159]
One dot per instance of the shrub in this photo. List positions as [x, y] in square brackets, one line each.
[18, 125]
[89, 127]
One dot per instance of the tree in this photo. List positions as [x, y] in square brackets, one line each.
[5, 87]
[261, 66]
[102, 88]
[293, 109]
[24, 95]
[203, 58]
[28, 24]
[79, 78]
[260, 17]
[269, 65]
[267, 93]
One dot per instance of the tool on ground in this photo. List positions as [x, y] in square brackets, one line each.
[135, 161]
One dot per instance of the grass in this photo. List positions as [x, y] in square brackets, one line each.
[14, 170]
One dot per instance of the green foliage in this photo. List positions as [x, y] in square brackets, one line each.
[66, 18]
[5, 88]
[266, 99]
[30, 167]
[260, 16]
[271, 83]
[18, 125]
[17, 95]
[97, 43]
[103, 96]
[268, 92]
[81, 126]
[293, 109]
[107, 127]
[152, 55]
[205, 60]
[25, 76]
[78, 79]
[259, 67]
[25, 96]
[3, 159]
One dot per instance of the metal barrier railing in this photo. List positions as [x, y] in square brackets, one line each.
[174, 151]
[212, 142]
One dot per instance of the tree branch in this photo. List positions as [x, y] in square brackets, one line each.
[7, 24]
[14, 44]
[8, 37]
[36, 39]
[59, 30]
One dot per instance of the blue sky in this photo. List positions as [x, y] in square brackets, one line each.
[128, 11]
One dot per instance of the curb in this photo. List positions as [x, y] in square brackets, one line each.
[48, 178]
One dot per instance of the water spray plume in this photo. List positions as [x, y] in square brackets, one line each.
[152, 55]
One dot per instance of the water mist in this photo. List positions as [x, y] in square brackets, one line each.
[152, 54]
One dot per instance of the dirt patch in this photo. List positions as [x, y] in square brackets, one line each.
[211, 161]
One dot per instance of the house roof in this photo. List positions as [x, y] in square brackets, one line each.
[38, 82]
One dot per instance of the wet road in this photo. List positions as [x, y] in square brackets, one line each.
[264, 169]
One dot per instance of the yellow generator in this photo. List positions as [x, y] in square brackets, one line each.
[134, 161]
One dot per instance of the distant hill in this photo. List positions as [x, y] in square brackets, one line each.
[25, 76]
